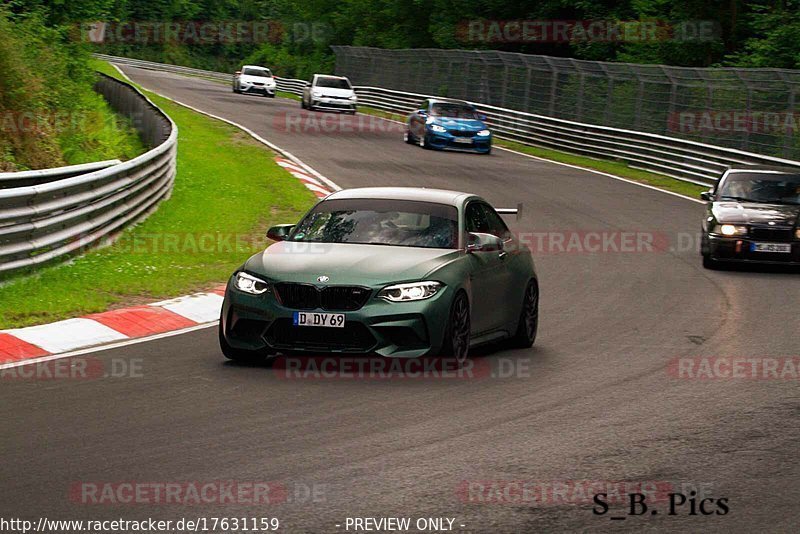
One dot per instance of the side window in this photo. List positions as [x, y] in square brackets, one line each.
[497, 226]
[476, 219]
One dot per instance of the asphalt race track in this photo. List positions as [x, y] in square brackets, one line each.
[594, 400]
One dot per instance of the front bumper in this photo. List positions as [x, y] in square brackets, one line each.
[333, 104]
[258, 89]
[446, 140]
[396, 329]
[739, 249]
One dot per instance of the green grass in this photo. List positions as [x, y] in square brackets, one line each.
[617, 168]
[228, 190]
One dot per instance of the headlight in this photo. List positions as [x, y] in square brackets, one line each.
[730, 229]
[484, 133]
[437, 128]
[412, 291]
[430, 120]
[316, 94]
[250, 284]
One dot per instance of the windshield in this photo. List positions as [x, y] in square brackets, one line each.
[261, 73]
[333, 83]
[404, 223]
[454, 111]
[776, 188]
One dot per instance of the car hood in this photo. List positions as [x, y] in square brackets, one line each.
[755, 213]
[331, 91]
[345, 263]
[460, 124]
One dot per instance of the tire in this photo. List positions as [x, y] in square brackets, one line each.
[710, 263]
[303, 103]
[528, 324]
[407, 137]
[423, 142]
[239, 355]
[457, 333]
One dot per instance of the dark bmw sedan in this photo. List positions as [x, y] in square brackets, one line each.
[752, 216]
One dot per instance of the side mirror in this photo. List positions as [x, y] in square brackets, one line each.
[280, 232]
[238, 72]
[708, 196]
[480, 242]
[422, 112]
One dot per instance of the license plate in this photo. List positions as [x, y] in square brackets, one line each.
[464, 140]
[784, 248]
[328, 320]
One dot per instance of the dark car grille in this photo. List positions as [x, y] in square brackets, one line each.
[771, 234]
[462, 133]
[353, 336]
[333, 298]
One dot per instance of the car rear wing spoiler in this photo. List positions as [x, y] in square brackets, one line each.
[511, 211]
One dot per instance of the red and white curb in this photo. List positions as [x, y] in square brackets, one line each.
[315, 185]
[18, 345]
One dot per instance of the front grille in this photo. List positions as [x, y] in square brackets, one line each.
[345, 298]
[333, 298]
[462, 133]
[771, 234]
[298, 296]
[352, 337]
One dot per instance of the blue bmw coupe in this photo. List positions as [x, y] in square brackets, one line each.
[445, 123]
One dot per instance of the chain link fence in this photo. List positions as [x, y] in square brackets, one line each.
[747, 109]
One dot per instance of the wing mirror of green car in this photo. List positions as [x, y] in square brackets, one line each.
[280, 232]
[708, 196]
[480, 242]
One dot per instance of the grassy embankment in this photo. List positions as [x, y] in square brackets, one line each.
[49, 114]
[228, 190]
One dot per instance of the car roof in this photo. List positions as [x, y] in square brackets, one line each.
[765, 169]
[423, 194]
[254, 67]
[330, 76]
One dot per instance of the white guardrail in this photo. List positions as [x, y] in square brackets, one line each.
[51, 213]
[682, 159]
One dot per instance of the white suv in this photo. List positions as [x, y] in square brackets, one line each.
[330, 93]
[254, 79]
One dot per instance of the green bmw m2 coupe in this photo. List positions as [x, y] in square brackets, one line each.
[396, 271]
